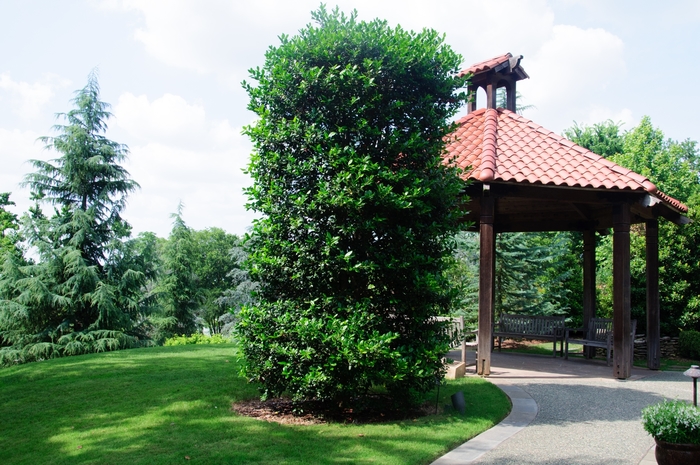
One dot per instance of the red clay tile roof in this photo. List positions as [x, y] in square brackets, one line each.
[502, 146]
[486, 65]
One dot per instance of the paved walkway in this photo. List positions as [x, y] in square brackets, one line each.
[581, 414]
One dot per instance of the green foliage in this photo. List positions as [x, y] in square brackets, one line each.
[675, 169]
[199, 274]
[9, 226]
[358, 213]
[689, 344]
[84, 293]
[216, 265]
[197, 338]
[534, 275]
[606, 138]
[242, 291]
[179, 288]
[675, 421]
[502, 101]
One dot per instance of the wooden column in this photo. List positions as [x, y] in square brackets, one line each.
[491, 100]
[589, 289]
[511, 103]
[622, 326]
[471, 104]
[653, 305]
[487, 259]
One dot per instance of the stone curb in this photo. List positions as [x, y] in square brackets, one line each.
[524, 411]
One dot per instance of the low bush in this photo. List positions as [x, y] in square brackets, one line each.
[196, 339]
[675, 421]
[689, 344]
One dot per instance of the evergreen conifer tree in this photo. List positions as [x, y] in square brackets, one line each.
[83, 294]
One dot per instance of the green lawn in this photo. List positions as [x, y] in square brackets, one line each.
[170, 405]
[540, 348]
[545, 348]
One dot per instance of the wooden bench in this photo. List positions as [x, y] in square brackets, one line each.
[547, 328]
[599, 334]
[456, 332]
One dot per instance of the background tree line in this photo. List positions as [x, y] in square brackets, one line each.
[73, 279]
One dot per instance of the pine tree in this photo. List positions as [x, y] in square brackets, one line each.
[83, 293]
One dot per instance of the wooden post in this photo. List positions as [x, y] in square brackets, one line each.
[589, 288]
[471, 105]
[622, 325]
[491, 100]
[511, 104]
[486, 284]
[653, 305]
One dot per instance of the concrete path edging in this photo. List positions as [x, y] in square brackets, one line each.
[523, 412]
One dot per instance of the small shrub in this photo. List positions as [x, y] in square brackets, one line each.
[195, 339]
[689, 344]
[675, 421]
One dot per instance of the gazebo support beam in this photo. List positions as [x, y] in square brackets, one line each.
[653, 305]
[487, 260]
[589, 289]
[622, 324]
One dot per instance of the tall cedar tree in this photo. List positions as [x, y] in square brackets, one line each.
[358, 214]
[84, 292]
[9, 225]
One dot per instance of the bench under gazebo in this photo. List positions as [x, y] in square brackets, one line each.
[525, 178]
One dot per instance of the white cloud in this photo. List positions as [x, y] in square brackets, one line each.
[570, 74]
[27, 99]
[218, 37]
[598, 114]
[179, 154]
[209, 183]
[573, 69]
[16, 147]
[168, 118]
[226, 38]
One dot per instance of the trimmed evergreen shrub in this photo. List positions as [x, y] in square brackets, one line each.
[689, 344]
[358, 214]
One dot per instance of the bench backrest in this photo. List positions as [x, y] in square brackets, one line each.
[599, 328]
[531, 324]
[455, 328]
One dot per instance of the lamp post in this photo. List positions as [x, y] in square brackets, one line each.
[694, 372]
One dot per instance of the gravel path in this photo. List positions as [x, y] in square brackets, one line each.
[585, 416]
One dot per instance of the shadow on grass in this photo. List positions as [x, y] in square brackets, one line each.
[161, 405]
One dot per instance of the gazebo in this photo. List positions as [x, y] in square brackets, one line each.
[527, 178]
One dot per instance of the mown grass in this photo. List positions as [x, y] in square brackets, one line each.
[170, 405]
[541, 348]
[576, 350]
[670, 364]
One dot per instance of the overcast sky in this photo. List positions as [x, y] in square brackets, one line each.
[172, 70]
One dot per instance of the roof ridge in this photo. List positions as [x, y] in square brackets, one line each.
[488, 154]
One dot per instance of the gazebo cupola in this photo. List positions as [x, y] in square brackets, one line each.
[502, 71]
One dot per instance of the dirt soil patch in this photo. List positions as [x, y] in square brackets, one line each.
[285, 411]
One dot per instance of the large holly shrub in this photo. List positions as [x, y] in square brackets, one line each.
[357, 211]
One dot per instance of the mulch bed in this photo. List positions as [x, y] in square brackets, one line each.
[285, 411]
